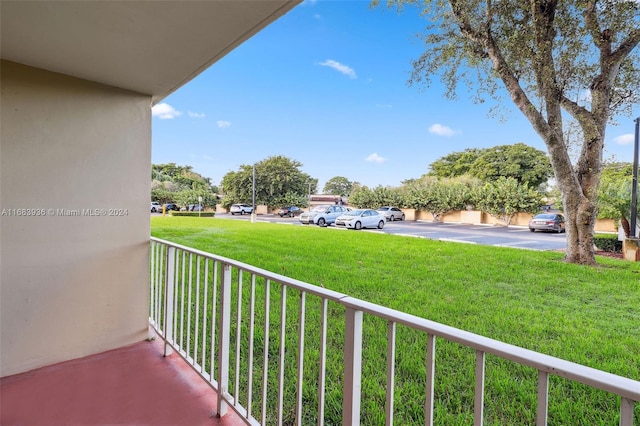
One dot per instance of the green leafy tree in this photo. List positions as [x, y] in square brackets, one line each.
[275, 177]
[191, 196]
[439, 196]
[292, 199]
[183, 176]
[365, 197]
[614, 194]
[545, 54]
[339, 185]
[362, 197]
[505, 197]
[519, 161]
[525, 164]
[180, 184]
[455, 164]
[162, 196]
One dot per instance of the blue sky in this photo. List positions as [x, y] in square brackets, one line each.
[326, 85]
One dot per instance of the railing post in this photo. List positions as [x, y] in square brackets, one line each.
[431, 375]
[543, 398]
[352, 368]
[478, 407]
[626, 412]
[169, 280]
[391, 372]
[224, 341]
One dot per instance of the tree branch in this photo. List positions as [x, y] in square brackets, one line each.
[591, 21]
[626, 46]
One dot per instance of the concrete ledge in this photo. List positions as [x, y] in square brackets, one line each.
[631, 249]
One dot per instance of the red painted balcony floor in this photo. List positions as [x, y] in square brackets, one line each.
[131, 385]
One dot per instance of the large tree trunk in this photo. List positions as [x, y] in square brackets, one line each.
[626, 226]
[580, 217]
[579, 183]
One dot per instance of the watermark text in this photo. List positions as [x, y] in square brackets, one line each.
[31, 212]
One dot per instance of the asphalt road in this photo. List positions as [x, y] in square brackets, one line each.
[516, 237]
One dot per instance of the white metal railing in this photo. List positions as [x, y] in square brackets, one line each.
[191, 304]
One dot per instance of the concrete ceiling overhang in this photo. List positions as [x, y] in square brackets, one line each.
[149, 47]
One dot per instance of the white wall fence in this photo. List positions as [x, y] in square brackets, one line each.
[261, 340]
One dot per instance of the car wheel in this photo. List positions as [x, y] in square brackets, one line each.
[402, 218]
[392, 218]
[241, 212]
[381, 224]
[291, 214]
[322, 222]
[358, 225]
[532, 230]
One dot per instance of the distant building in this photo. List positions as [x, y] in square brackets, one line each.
[320, 199]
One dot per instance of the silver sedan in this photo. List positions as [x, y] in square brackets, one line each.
[391, 213]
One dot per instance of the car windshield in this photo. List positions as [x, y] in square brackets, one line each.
[356, 212]
[384, 209]
[545, 216]
[319, 208]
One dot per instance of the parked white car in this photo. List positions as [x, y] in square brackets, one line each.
[391, 213]
[240, 209]
[322, 215]
[361, 218]
[155, 207]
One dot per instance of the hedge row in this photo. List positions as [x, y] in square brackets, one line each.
[192, 214]
[608, 242]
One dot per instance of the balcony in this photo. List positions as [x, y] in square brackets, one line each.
[211, 315]
[131, 385]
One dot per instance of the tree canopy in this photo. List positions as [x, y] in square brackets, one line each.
[525, 164]
[180, 184]
[614, 197]
[339, 185]
[278, 182]
[506, 197]
[557, 61]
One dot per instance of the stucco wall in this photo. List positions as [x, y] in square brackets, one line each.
[73, 283]
[477, 217]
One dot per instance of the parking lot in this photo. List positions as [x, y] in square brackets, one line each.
[499, 236]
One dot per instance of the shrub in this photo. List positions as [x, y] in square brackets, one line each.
[192, 214]
[608, 242]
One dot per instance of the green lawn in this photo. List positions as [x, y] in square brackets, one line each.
[588, 315]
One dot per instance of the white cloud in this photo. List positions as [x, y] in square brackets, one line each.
[625, 139]
[195, 114]
[440, 130]
[223, 124]
[344, 69]
[165, 111]
[375, 158]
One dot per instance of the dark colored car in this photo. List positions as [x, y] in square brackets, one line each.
[171, 206]
[289, 211]
[547, 222]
